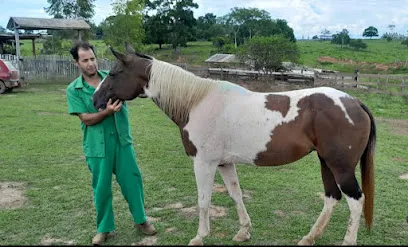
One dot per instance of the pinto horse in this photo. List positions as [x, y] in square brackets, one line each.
[222, 124]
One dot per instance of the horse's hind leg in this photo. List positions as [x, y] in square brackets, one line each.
[331, 198]
[204, 173]
[229, 175]
[343, 170]
[355, 200]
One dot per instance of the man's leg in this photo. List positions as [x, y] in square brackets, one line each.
[101, 170]
[130, 180]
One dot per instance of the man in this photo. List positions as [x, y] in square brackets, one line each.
[107, 144]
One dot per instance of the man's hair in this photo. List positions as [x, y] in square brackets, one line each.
[80, 44]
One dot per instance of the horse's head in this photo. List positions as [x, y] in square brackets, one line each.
[127, 79]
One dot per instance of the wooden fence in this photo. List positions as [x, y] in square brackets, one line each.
[395, 84]
[54, 68]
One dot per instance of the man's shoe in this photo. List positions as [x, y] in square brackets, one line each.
[100, 238]
[147, 228]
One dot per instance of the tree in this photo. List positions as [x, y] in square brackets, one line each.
[370, 32]
[204, 24]
[3, 30]
[69, 9]
[405, 42]
[341, 38]
[157, 29]
[315, 37]
[176, 18]
[357, 44]
[268, 53]
[126, 25]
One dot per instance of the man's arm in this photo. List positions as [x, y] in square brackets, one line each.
[95, 118]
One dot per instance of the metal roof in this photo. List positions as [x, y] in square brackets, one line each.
[222, 58]
[29, 23]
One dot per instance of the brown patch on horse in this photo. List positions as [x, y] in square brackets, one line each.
[280, 103]
[313, 129]
[289, 141]
[189, 146]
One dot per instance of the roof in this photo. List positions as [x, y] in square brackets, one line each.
[222, 58]
[29, 23]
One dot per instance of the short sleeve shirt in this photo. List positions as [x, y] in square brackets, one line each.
[79, 98]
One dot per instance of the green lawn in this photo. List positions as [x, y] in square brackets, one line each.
[41, 147]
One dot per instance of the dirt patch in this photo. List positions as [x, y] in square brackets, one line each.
[215, 211]
[174, 206]
[153, 219]
[398, 126]
[378, 66]
[247, 194]
[399, 159]
[219, 188]
[147, 241]
[11, 195]
[279, 213]
[170, 229]
[47, 240]
[404, 176]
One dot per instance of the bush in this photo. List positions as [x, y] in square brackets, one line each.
[357, 44]
[268, 53]
[220, 41]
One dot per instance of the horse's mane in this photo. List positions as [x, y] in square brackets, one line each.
[177, 91]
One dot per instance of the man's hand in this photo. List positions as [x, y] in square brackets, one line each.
[113, 107]
[95, 118]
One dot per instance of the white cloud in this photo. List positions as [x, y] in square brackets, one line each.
[306, 17]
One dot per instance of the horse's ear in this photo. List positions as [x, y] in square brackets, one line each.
[122, 57]
[129, 48]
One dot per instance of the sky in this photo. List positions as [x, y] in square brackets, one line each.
[306, 17]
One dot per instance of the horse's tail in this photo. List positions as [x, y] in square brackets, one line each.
[367, 171]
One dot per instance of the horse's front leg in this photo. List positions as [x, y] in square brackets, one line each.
[204, 173]
[230, 177]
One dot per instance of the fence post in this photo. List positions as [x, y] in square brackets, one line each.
[403, 86]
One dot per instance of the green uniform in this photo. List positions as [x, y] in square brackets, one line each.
[108, 149]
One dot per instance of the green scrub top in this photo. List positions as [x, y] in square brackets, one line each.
[79, 97]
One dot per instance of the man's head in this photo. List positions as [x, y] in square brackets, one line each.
[84, 56]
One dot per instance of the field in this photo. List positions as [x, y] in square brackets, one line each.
[381, 56]
[42, 165]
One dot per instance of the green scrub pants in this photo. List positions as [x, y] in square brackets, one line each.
[121, 161]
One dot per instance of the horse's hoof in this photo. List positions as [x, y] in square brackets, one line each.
[306, 241]
[196, 242]
[349, 243]
[242, 236]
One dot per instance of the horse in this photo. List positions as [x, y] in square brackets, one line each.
[222, 124]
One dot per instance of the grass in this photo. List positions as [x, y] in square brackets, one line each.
[41, 147]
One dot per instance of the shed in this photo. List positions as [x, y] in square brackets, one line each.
[220, 59]
[28, 23]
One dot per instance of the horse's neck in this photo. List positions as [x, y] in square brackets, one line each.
[176, 91]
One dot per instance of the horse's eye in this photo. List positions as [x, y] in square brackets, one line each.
[111, 75]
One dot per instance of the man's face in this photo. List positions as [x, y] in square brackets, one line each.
[87, 62]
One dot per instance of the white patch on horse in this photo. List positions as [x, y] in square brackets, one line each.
[229, 110]
[100, 84]
[356, 208]
[297, 95]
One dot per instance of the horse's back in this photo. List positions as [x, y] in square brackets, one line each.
[272, 128]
